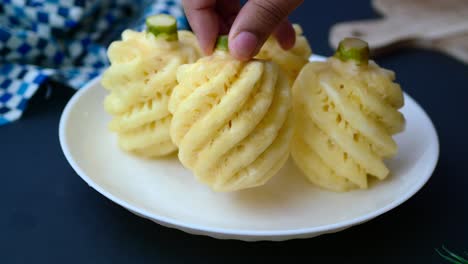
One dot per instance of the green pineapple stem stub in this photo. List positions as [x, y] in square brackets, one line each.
[162, 26]
[222, 43]
[353, 49]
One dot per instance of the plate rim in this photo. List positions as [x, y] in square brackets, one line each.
[245, 233]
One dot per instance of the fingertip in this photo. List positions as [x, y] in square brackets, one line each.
[285, 35]
[207, 50]
[244, 46]
[206, 41]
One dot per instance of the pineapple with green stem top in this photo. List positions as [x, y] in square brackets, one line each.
[347, 110]
[231, 120]
[140, 79]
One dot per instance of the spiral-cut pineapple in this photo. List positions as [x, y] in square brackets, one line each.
[232, 121]
[140, 79]
[290, 61]
[346, 116]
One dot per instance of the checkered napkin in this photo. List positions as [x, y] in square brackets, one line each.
[63, 40]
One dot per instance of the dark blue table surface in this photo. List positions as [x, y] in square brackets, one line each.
[49, 215]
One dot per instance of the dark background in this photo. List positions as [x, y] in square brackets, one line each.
[49, 215]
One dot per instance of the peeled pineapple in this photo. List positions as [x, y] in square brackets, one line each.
[140, 79]
[232, 120]
[290, 61]
[347, 110]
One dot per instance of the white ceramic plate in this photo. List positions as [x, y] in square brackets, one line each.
[287, 207]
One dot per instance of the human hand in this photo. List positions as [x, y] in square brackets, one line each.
[248, 26]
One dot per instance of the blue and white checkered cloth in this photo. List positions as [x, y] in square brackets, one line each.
[63, 40]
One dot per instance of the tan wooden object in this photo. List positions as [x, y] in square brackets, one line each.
[433, 24]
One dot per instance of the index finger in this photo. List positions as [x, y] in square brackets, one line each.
[204, 21]
[255, 23]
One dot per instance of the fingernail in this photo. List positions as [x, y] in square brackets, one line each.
[244, 45]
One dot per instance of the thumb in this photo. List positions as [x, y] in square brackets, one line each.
[255, 23]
